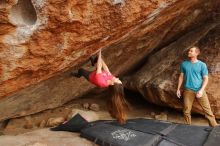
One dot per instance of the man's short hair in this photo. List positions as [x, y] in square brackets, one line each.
[197, 49]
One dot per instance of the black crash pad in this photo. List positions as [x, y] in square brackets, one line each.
[142, 132]
[214, 137]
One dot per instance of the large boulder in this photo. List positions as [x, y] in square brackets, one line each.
[157, 79]
[42, 40]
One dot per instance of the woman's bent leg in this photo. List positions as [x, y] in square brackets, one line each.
[84, 73]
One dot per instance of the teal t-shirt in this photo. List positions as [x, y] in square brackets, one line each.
[193, 74]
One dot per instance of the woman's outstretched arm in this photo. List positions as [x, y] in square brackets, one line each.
[99, 63]
[105, 67]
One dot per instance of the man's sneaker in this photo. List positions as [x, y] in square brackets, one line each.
[93, 60]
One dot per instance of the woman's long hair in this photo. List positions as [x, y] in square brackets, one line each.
[117, 105]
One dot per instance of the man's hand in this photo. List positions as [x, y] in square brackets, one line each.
[180, 82]
[199, 93]
[178, 93]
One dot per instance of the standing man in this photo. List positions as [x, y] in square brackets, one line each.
[194, 74]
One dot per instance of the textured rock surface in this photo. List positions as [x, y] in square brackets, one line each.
[46, 37]
[45, 137]
[41, 40]
[157, 79]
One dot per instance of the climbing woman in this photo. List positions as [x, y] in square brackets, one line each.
[102, 77]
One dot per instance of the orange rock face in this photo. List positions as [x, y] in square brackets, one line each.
[45, 36]
[42, 40]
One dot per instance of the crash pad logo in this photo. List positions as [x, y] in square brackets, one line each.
[123, 134]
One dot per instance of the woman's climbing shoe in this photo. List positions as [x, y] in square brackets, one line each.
[93, 60]
[75, 74]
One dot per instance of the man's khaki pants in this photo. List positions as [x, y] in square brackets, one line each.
[188, 97]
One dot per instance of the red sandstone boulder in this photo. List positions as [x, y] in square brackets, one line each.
[41, 41]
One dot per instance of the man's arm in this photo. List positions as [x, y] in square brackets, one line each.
[180, 82]
[204, 84]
